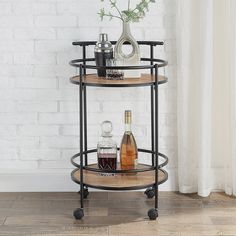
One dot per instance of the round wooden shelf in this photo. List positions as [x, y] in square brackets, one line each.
[129, 181]
[94, 80]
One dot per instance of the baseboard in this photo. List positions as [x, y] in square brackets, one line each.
[57, 181]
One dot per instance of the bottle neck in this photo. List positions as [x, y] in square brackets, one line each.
[127, 127]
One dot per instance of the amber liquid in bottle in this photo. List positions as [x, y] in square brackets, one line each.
[128, 148]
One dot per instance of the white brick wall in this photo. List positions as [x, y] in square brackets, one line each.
[38, 105]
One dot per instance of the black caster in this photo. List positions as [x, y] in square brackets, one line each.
[78, 213]
[86, 193]
[150, 193]
[152, 214]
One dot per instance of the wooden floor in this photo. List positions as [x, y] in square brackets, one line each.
[116, 214]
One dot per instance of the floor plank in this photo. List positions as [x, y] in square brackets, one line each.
[116, 214]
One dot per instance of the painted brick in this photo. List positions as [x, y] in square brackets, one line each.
[30, 106]
[77, 34]
[17, 46]
[16, 142]
[38, 130]
[56, 21]
[39, 154]
[6, 33]
[16, 21]
[18, 118]
[5, 8]
[65, 84]
[58, 164]
[59, 142]
[68, 9]
[44, 8]
[66, 154]
[69, 130]
[64, 57]
[120, 107]
[74, 107]
[40, 94]
[35, 33]
[69, 106]
[9, 154]
[16, 70]
[7, 106]
[8, 130]
[34, 58]
[22, 8]
[53, 46]
[58, 118]
[19, 165]
[34, 83]
[6, 58]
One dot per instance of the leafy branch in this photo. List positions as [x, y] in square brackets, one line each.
[129, 15]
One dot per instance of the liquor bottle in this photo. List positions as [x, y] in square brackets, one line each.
[128, 148]
[103, 50]
[107, 148]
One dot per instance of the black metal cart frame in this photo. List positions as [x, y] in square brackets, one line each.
[153, 66]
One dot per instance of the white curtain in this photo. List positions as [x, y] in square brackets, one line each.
[206, 78]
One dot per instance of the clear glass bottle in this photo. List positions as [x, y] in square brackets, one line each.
[128, 147]
[107, 148]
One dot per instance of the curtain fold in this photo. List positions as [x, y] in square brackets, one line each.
[206, 96]
[230, 185]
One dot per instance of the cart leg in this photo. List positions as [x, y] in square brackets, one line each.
[153, 213]
[152, 125]
[85, 126]
[79, 212]
[86, 192]
[152, 106]
[150, 191]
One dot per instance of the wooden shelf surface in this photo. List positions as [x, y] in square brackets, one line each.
[94, 80]
[123, 181]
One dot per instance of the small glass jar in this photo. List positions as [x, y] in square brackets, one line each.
[107, 148]
[114, 74]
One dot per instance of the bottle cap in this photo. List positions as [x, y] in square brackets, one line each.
[103, 45]
[103, 37]
[128, 117]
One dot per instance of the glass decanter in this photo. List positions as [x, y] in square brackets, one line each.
[107, 148]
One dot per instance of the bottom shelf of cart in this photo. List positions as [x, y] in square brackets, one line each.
[131, 181]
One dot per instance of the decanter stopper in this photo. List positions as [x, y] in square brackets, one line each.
[106, 127]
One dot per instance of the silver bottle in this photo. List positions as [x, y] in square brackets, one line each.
[103, 50]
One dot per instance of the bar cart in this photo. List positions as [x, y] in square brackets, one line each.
[144, 176]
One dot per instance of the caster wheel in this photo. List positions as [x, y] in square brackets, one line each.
[150, 193]
[78, 213]
[153, 214]
[86, 193]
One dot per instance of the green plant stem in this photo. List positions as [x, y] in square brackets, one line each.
[117, 9]
[129, 5]
[136, 7]
[112, 16]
